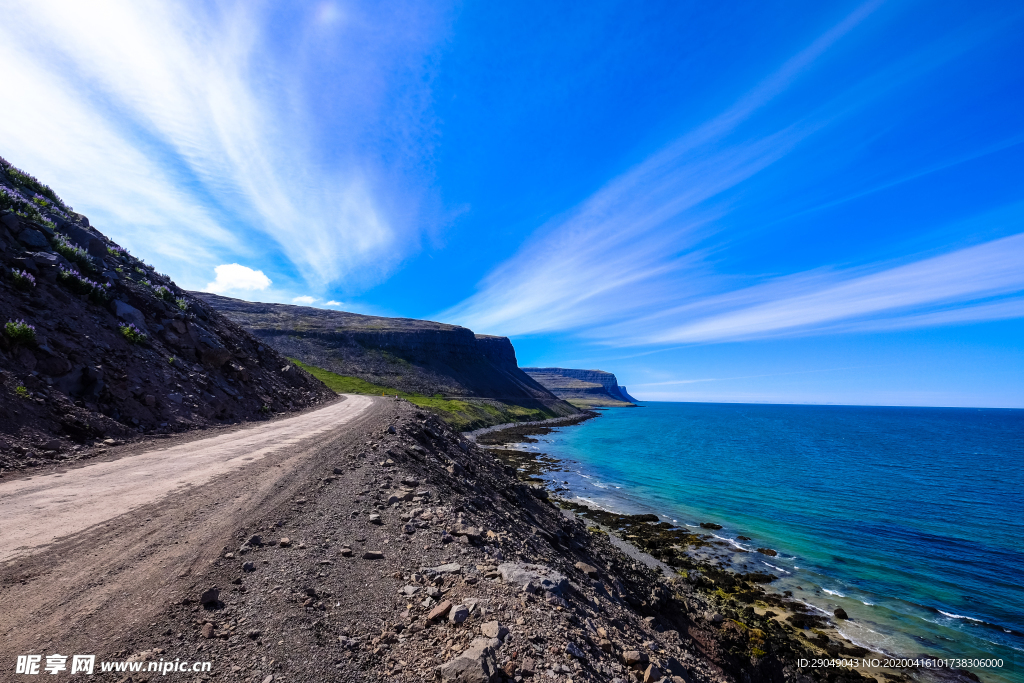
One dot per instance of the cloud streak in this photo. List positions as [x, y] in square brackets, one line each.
[634, 264]
[641, 229]
[175, 121]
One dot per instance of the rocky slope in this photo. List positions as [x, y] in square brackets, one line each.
[410, 554]
[413, 356]
[98, 346]
[582, 388]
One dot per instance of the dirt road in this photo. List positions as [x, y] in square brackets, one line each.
[87, 553]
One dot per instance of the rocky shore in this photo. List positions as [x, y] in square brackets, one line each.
[409, 553]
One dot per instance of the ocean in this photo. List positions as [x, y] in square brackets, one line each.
[911, 519]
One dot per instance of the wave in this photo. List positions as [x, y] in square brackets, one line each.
[832, 592]
[869, 604]
[731, 541]
[774, 567]
[959, 616]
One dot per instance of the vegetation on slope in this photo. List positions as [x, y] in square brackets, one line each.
[463, 414]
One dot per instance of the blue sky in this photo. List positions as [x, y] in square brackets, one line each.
[783, 202]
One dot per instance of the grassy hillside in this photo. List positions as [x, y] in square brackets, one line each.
[463, 414]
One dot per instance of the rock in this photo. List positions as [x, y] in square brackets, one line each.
[338, 470]
[475, 665]
[535, 576]
[605, 645]
[373, 555]
[634, 658]
[270, 678]
[528, 666]
[441, 610]
[375, 519]
[588, 569]
[206, 631]
[285, 542]
[652, 674]
[494, 629]
[346, 552]
[470, 532]
[458, 614]
[408, 528]
[717, 618]
[743, 538]
[767, 551]
[149, 400]
[450, 568]
[248, 566]
[209, 597]
[255, 539]
[710, 525]
[410, 482]
[411, 590]
[130, 314]
[841, 613]
[573, 650]
[33, 238]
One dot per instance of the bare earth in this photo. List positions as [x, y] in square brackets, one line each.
[87, 555]
[36, 510]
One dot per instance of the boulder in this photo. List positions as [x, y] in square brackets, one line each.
[441, 610]
[494, 629]
[573, 650]
[209, 596]
[588, 569]
[450, 568]
[533, 577]
[475, 665]
[373, 555]
[841, 613]
[33, 238]
[652, 674]
[130, 314]
[458, 614]
[634, 658]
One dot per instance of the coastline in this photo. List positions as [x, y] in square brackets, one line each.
[677, 552]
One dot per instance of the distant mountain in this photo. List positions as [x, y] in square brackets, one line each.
[582, 388]
[96, 344]
[472, 380]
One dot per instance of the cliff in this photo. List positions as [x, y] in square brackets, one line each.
[437, 365]
[96, 345]
[582, 388]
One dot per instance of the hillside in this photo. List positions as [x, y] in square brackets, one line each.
[98, 346]
[582, 388]
[471, 380]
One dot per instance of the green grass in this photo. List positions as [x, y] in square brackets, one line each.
[462, 414]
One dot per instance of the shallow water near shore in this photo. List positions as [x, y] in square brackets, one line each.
[908, 518]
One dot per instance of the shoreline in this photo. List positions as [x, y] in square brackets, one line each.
[565, 421]
[816, 625]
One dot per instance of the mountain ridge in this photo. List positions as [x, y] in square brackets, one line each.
[420, 359]
[583, 388]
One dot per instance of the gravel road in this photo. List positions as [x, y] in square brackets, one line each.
[91, 553]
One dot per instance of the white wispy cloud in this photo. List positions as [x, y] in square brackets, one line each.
[305, 300]
[634, 263]
[638, 233]
[179, 128]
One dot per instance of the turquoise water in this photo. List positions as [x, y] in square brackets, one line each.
[911, 519]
